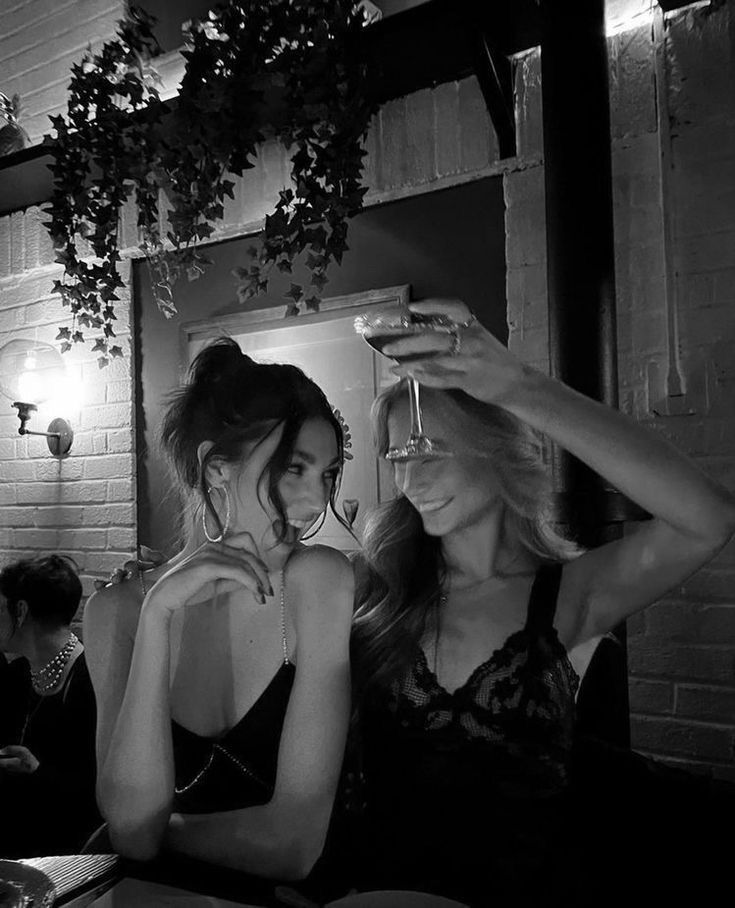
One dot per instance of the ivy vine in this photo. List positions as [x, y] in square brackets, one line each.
[253, 69]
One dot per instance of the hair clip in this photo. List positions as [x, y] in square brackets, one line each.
[346, 437]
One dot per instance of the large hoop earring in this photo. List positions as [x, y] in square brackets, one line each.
[225, 525]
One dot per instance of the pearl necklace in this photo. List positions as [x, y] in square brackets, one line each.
[46, 678]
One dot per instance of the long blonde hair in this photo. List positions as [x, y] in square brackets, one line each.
[400, 571]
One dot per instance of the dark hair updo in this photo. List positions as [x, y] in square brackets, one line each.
[49, 585]
[232, 401]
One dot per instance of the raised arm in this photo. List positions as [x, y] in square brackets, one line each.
[284, 838]
[693, 517]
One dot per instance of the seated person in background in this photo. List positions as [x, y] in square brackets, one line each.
[476, 622]
[47, 727]
[222, 677]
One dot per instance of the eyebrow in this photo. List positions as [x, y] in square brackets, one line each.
[311, 460]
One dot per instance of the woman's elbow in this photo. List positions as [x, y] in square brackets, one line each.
[131, 836]
[296, 860]
[134, 844]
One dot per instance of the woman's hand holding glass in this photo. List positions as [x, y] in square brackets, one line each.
[215, 568]
[469, 358]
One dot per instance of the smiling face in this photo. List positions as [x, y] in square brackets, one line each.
[450, 494]
[304, 488]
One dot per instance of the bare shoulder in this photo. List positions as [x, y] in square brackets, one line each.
[115, 605]
[320, 565]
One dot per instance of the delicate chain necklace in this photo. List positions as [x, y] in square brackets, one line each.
[46, 678]
[284, 642]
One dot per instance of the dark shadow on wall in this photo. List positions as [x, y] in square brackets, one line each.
[446, 243]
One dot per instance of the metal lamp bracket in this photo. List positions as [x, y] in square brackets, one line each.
[59, 436]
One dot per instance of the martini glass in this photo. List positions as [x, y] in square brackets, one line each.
[383, 328]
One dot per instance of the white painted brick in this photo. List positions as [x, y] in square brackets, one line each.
[120, 441]
[5, 266]
[19, 471]
[19, 517]
[121, 515]
[8, 493]
[40, 540]
[105, 563]
[108, 466]
[57, 515]
[121, 539]
[38, 492]
[119, 392]
[7, 448]
[83, 539]
[54, 470]
[110, 416]
[17, 242]
[120, 490]
[84, 492]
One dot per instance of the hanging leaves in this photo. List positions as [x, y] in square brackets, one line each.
[119, 141]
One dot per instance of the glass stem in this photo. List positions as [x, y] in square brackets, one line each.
[417, 428]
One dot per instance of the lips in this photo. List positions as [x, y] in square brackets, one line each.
[430, 507]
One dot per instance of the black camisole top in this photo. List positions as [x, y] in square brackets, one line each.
[237, 769]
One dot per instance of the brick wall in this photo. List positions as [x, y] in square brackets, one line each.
[673, 139]
[673, 130]
[39, 41]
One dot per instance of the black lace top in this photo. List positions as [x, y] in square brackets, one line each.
[467, 787]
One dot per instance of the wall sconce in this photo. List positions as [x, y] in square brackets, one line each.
[30, 373]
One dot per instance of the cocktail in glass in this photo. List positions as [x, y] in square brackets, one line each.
[394, 324]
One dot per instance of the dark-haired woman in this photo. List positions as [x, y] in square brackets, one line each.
[476, 622]
[47, 719]
[224, 699]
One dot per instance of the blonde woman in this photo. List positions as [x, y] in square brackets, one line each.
[476, 622]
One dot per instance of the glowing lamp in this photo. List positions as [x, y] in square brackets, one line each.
[30, 373]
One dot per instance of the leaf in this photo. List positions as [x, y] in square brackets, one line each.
[296, 292]
[101, 155]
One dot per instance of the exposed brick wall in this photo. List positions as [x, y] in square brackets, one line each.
[39, 41]
[675, 264]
